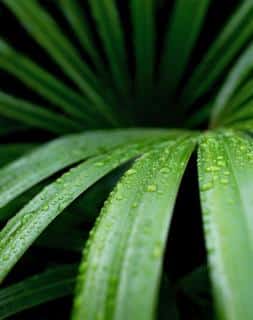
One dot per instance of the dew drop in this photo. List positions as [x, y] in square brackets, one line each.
[151, 188]
[206, 186]
[99, 164]
[130, 172]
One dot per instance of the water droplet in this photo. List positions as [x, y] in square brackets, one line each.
[157, 251]
[134, 205]
[99, 164]
[206, 186]
[151, 188]
[130, 172]
[224, 181]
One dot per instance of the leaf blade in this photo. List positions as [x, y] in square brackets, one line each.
[60, 153]
[178, 46]
[24, 228]
[225, 184]
[114, 253]
[49, 285]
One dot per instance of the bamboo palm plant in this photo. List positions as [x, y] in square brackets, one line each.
[122, 72]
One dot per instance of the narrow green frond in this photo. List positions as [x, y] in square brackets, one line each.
[143, 20]
[25, 227]
[245, 113]
[226, 184]
[10, 152]
[246, 124]
[46, 32]
[8, 126]
[242, 96]
[35, 116]
[73, 12]
[49, 285]
[127, 244]
[111, 33]
[233, 37]
[24, 173]
[183, 31]
[44, 83]
[242, 68]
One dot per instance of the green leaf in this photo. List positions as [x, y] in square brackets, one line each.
[49, 285]
[237, 75]
[127, 244]
[244, 114]
[73, 12]
[180, 40]
[10, 152]
[143, 20]
[35, 116]
[111, 33]
[49, 87]
[24, 173]
[233, 37]
[226, 183]
[242, 96]
[47, 33]
[241, 124]
[25, 227]
[8, 126]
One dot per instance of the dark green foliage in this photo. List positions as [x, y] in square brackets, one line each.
[109, 67]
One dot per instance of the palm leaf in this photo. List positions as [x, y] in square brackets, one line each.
[111, 33]
[143, 20]
[226, 175]
[25, 172]
[237, 75]
[35, 115]
[8, 126]
[44, 83]
[46, 32]
[233, 37]
[73, 12]
[126, 247]
[49, 285]
[180, 41]
[10, 152]
[23, 229]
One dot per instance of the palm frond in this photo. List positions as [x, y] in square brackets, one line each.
[225, 176]
[49, 285]
[233, 37]
[129, 238]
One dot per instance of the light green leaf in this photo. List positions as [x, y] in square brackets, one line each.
[127, 244]
[225, 164]
[233, 37]
[35, 116]
[25, 227]
[49, 285]
[180, 40]
[24, 173]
